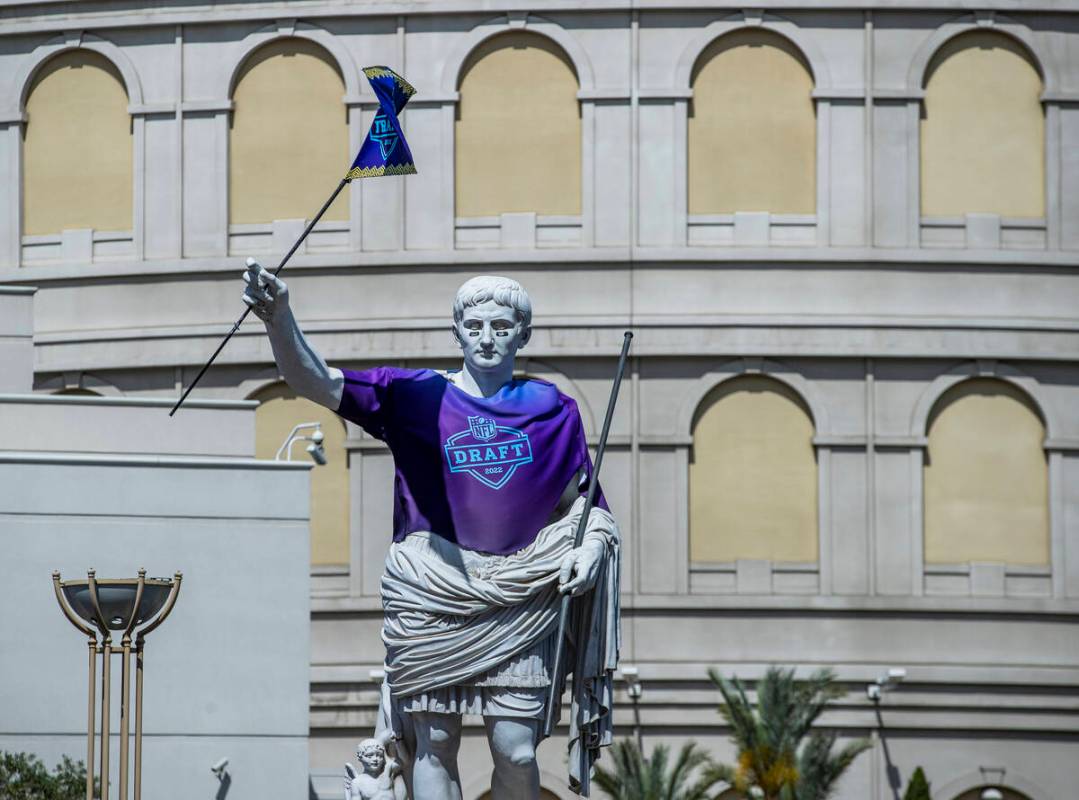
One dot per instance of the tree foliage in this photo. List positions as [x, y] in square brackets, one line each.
[634, 777]
[778, 751]
[23, 776]
[918, 788]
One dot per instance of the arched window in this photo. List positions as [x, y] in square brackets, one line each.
[753, 475]
[77, 147]
[986, 478]
[278, 411]
[1006, 794]
[752, 127]
[288, 146]
[518, 129]
[983, 130]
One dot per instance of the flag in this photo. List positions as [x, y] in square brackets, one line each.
[385, 151]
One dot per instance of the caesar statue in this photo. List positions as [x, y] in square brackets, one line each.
[490, 477]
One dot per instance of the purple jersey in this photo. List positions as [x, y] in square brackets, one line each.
[484, 472]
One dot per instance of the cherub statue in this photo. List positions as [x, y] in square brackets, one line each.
[375, 781]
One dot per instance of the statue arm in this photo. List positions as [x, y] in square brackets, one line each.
[303, 369]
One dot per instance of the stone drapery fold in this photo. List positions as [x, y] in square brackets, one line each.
[446, 623]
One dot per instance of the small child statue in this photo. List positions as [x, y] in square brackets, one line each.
[375, 781]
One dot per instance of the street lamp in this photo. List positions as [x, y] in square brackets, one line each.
[315, 449]
[115, 604]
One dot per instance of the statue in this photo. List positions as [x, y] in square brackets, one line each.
[376, 781]
[490, 477]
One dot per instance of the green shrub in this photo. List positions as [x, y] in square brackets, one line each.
[24, 777]
[918, 788]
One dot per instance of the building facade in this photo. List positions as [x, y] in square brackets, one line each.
[846, 235]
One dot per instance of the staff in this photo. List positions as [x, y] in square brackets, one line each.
[554, 697]
[385, 141]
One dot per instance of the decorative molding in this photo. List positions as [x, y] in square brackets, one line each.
[23, 75]
[451, 72]
[683, 71]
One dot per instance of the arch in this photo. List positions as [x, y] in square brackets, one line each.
[723, 372]
[451, 70]
[278, 411]
[683, 71]
[919, 65]
[78, 134]
[982, 134]
[246, 47]
[986, 478]
[495, 120]
[285, 93]
[927, 401]
[752, 127]
[24, 75]
[753, 476]
[976, 779]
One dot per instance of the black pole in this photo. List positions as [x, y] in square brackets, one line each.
[554, 697]
[247, 311]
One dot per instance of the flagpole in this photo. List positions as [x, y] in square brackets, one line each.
[344, 182]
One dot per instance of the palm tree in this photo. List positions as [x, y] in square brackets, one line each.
[779, 756]
[634, 777]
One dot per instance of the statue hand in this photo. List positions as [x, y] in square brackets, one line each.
[265, 294]
[580, 568]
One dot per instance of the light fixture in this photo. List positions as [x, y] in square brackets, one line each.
[992, 793]
[103, 606]
[315, 449]
[885, 683]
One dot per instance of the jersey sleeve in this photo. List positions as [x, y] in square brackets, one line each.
[365, 399]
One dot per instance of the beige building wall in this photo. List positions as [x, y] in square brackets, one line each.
[518, 129]
[288, 144]
[986, 478]
[983, 130]
[77, 150]
[752, 128]
[278, 412]
[753, 475]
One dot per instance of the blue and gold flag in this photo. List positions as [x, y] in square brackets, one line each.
[385, 151]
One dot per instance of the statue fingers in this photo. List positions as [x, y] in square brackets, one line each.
[565, 572]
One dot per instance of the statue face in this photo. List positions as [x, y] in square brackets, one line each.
[373, 759]
[490, 335]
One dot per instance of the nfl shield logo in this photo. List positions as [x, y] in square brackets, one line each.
[482, 428]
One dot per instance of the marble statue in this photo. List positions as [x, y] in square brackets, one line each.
[490, 476]
[376, 780]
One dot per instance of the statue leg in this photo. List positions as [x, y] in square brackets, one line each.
[513, 749]
[434, 772]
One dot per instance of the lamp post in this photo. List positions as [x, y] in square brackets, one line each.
[100, 606]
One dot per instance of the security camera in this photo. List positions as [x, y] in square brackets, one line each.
[317, 452]
[317, 436]
[885, 683]
[218, 768]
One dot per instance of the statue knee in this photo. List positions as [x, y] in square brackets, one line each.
[522, 756]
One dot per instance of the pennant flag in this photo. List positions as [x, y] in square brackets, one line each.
[385, 151]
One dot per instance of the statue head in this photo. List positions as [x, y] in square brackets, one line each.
[372, 756]
[492, 320]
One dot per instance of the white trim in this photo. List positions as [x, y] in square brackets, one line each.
[243, 49]
[451, 71]
[916, 73]
[683, 71]
[981, 369]
[975, 780]
[31, 63]
[735, 368]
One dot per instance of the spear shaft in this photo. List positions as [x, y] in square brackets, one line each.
[554, 697]
[243, 316]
